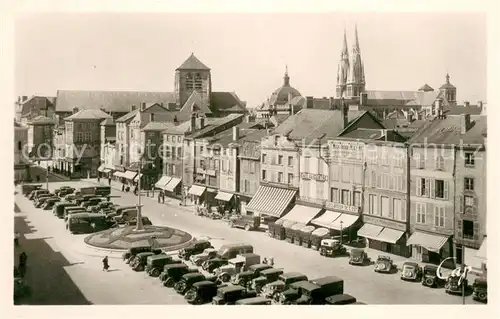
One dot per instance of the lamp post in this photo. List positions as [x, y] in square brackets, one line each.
[341, 228]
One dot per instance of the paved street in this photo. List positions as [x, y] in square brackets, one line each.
[123, 286]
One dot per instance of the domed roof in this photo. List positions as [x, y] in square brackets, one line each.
[280, 95]
[447, 85]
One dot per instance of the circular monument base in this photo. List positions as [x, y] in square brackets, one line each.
[123, 238]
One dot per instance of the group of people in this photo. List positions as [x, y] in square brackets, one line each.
[161, 196]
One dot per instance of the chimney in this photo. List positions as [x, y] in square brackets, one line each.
[25, 98]
[236, 133]
[345, 113]
[151, 117]
[176, 121]
[75, 110]
[309, 102]
[193, 122]
[363, 99]
[464, 123]
[143, 106]
[132, 108]
[480, 104]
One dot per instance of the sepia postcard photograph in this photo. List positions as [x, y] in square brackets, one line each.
[201, 159]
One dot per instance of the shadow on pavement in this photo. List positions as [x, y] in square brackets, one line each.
[49, 282]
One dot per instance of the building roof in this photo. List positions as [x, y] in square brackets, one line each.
[158, 126]
[401, 98]
[375, 134]
[462, 109]
[254, 136]
[211, 124]
[108, 122]
[42, 120]
[426, 87]
[88, 114]
[36, 102]
[183, 127]
[127, 117]
[224, 138]
[192, 63]
[111, 101]
[195, 104]
[310, 124]
[448, 131]
[225, 101]
[160, 117]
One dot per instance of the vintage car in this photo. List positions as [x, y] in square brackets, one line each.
[287, 296]
[201, 292]
[305, 235]
[253, 301]
[384, 264]
[207, 254]
[133, 221]
[430, 278]
[317, 236]
[42, 199]
[196, 248]
[266, 276]
[26, 189]
[332, 248]
[132, 252]
[245, 277]
[236, 265]
[480, 289]
[155, 263]
[454, 285]
[49, 203]
[212, 264]
[59, 208]
[187, 281]
[411, 271]
[33, 195]
[340, 299]
[173, 273]
[247, 222]
[66, 191]
[319, 289]
[358, 256]
[273, 289]
[140, 260]
[230, 294]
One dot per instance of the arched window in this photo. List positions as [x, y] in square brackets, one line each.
[19, 145]
[440, 163]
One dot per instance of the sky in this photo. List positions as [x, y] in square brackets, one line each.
[247, 53]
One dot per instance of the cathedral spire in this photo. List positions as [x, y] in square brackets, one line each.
[355, 48]
[356, 80]
[345, 51]
[343, 68]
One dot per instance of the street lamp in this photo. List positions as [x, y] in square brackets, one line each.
[139, 225]
[341, 224]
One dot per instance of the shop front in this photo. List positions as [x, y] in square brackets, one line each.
[430, 247]
[301, 214]
[196, 194]
[129, 177]
[385, 235]
[173, 188]
[271, 201]
[342, 220]
[226, 202]
[162, 182]
[119, 176]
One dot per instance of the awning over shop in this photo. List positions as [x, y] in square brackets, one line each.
[271, 201]
[224, 196]
[197, 190]
[172, 184]
[129, 175]
[106, 170]
[302, 214]
[390, 235]
[137, 177]
[370, 231]
[118, 174]
[163, 182]
[326, 219]
[432, 242]
[481, 253]
[343, 221]
[101, 168]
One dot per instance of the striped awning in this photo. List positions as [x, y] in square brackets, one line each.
[326, 219]
[432, 242]
[101, 168]
[137, 177]
[118, 174]
[302, 214]
[197, 190]
[129, 175]
[481, 253]
[343, 221]
[390, 235]
[271, 201]
[163, 181]
[172, 184]
[370, 231]
[224, 196]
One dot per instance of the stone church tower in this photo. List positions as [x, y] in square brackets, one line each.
[350, 72]
[192, 76]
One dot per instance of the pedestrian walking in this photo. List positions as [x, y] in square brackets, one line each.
[159, 196]
[16, 238]
[98, 178]
[135, 190]
[109, 181]
[123, 187]
[163, 197]
[23, 258]
[105, 264]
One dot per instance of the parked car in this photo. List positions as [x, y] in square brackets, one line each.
[33, 195]
[273, 289]
[229, 251]
[384, 264]
[26, 189]
[323, 287]
[293, 292]
[454, 285]
[58, 209]
[248, 222]
[212, 264]
[49, 203]
[411, 271]
[430, 278]
[140, 260]
[66, 191]
[41, 200]
[103, 191]
[246, 276]
[207, 254]
[84, 223]
[253, 301]
[480, 289]
[196, 248]
[173, 273]
[236, 265]
[230, 294]
[358, 256]
[201, 292]
[331, 248]
[125, 216]
[265, 277]
[70, 198]
[132, 252]
[155, 263]
[340, 299]
[187, 281]
[92, 201]
[133, 221]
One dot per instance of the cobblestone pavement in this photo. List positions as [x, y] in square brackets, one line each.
[123, 286]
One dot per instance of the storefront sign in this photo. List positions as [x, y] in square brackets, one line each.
[339, 206]
[384, 222]
[210, 172]
[316, 177]
[346, 150]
